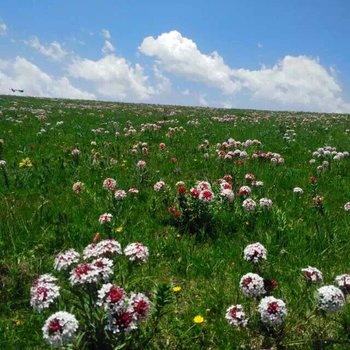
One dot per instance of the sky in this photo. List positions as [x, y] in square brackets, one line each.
[276, 55]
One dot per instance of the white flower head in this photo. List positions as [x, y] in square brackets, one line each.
[252, 285]
[272, 311]
[235, 316]
[330, 298]
[255, 253]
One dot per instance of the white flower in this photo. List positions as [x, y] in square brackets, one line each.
[347, 207]
[106, 217]
[77, 187]
[272, 311]
[252, 285]
[43, 292]
[66, 259]
[60, 328]
[265, 203]
[119, 194]
[84, 273]
[235, 316]
[141, 164]
[206, 196]
[249, 204]
[111, 296]
[330, 298]
[104, 267]
[343, 282]
[139, 305]
[107, 247]
[227, 194]
[312, 274]
[245, 191]
[255, 253]
[109, 184]
[298, 190]
[2, 163]
[136, 252]
[158, 186]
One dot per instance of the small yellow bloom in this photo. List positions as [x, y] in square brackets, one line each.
[26, 162]
[198, 319]
[119, 229]
[177, 289]
[17, 322]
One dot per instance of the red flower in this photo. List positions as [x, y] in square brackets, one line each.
[181, 190]
[97, 237]
[312, 179]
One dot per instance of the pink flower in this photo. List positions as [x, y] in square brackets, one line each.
[109, 184]
[104, 218]
[141, 164]
[137, 252]
[77, 187]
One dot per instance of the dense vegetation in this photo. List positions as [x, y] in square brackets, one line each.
[50, 145]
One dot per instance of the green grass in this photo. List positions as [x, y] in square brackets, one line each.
[40, 215]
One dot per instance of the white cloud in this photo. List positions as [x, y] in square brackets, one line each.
[180, 55]
[3, 29]
[202, 101]
[53, 50]
[113, 77]
[22, 74]
[108, 47]
[106, 34]
[295, 82]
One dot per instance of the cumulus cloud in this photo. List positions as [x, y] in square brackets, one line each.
[179, 55]
[22, 74]
[53, 50]
[108, 47]
[296, 82]
[3, 29]
[113, 77]
[106, 34]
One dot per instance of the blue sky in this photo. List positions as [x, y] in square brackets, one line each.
[247, 54]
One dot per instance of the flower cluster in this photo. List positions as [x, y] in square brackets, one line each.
[44, 292]
[255, 253]
[330, 298]
[235, 316]
[136, 252]
[312, 274]
[252, 285]
[272, 311]
[65, 259]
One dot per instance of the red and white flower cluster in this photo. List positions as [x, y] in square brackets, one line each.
[109, 184]
[44, 292]
[235, 316]
[330, 298]
[203, 192]
[159, 186]
[255, 253]
[65, 259]
[312, 275]
[252, 285]
[106, 247]
[60, 329]
[272, 311]
[137, 252]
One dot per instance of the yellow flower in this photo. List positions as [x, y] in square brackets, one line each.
[198, 319]
[177, 289]
[26, 162]
[119, 229]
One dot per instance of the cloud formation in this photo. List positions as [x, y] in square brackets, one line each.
[22, 74]
[53, 50]
[297, 82]
[3, 29]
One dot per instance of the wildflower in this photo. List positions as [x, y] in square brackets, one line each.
[133, 191]
[347, 207]
[206, 196]
[227, 194]
[255, 253]
[141, 164]
[198, 319]
[235, 316]
[109, 184]
[119, 229]
[176, 289]
[104, 218]
[26, 162]
[244, 191]
[106, 247]
[159, 186]
[84, 273]
[272, 311]
[330, 298]
[97, 237]
[313, 179]
[75, 153]
[312, 274]
[77, 187]
[252, 285]
[318, 201]
[249, 176]
[43, 292]
[298, 190]
[162, 146]
[119, 195]
[66, 259]
[2, 163]
[104, 267]
[139, 305]
[111, 296]
[60, 328]
[343, 282]
[249, 204]
[265, 203]
[136, 252]
[121, 321]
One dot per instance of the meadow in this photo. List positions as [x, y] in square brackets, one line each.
[195, 204]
